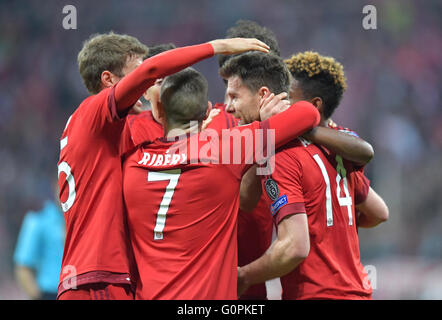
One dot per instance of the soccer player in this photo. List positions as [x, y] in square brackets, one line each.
[146, 126]
[248, 79]
[371, 209]
[312, 195]
[96, 259]
[254, 223]
[254, 226]
[182, 198]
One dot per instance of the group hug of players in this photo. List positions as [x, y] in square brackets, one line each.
[147, 219]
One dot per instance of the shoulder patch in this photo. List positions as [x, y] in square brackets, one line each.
[271, 188]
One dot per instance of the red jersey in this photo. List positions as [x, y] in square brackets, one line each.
[255, 228]
[361, 181]
[140, 128]
[143, 127]
[182, 217]
[90, 174]
[223, 120]
[308, 179]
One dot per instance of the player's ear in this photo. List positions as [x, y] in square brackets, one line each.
[318, 103]
[263, 91]
[108, 79]
[161, 114]
[209, 108]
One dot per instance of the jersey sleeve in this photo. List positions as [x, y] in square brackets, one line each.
[283, 189]
[138, 129]
[331, 124]
[126, 142]
[349, 132]
[256, 142]
[362, 186]
[28, 244]
[223, 120]
[144, 128]
[132, 86]
[99, 110]
[290, 124]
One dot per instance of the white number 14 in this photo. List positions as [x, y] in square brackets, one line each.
[346, 201]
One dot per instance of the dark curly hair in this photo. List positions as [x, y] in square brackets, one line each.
[319, 76]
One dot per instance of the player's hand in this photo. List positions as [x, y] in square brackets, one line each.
[137, 108]
[238, 45]
[212, 114]
[272, 104]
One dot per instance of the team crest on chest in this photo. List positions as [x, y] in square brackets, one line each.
[271, 188]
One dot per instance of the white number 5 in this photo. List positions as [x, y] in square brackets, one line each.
[172, 176]
[66, 169]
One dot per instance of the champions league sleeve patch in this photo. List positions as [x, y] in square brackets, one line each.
[273, 192]
[271, 188]
[282, 201]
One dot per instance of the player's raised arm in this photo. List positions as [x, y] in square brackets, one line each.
[132, 86]
[238, 45]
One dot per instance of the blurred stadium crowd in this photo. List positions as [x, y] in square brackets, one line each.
[393, 100]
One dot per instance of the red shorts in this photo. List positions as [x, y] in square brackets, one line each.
[99, 291]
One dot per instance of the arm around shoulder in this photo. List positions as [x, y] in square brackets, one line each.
[349, 147]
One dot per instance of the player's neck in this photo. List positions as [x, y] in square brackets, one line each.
[175, 130]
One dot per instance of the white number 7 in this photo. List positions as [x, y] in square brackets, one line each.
[172, 176]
